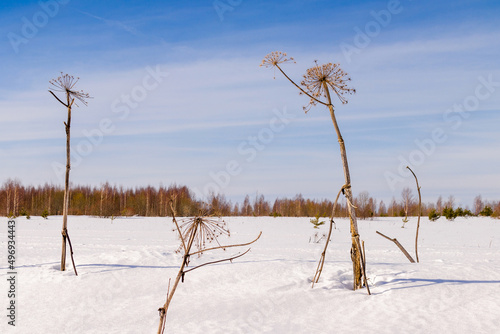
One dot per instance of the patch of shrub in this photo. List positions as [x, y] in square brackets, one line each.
[433, 215]
[45, 214]
[486, 212]
[315, 221]
[23, 212]
[449, 213]
[459, 212]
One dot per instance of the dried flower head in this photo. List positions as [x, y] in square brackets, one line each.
[275, 58]
[65, 84]
[205, 229]
[321, 77]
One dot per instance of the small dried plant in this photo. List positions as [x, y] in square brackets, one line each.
[197, 232]
[65, 83]
[206, 230]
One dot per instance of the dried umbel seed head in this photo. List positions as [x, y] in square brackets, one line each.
[65, 84]
[328, 76]
[275, 58]
[206, 229]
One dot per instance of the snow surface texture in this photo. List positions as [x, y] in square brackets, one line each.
[124, 268]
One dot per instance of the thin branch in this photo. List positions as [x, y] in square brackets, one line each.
[229, 246]
[178, 229]
[66, 234]
[321, 262]
[54, 95]
[400, 247]
[302, 90]
[218, 261]
[364, 267]
[163, 312]
[363, 263]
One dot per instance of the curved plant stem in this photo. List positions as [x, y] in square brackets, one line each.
[419, 213]
[321, 262]
[228, 246]
[300, 88]
[218, 261]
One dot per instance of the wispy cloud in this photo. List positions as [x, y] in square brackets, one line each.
[115, 24]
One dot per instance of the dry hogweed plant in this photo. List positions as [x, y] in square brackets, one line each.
[197, 232]
[317, 84]
[65, 84]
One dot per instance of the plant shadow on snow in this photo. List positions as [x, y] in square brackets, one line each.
[421, 282]
[56, 265]
[112, 266]
[116, 266]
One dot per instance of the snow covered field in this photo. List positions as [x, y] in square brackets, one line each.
[124, 267]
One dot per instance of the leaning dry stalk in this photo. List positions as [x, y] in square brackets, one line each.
[180, 275]
[196, 231]
[419, 213]
[408, 256]
[321, 262]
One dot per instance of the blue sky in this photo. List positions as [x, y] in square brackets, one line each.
[179, 97]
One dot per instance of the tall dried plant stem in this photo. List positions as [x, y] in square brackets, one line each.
[66, 187]
[419, 213]
[356, 255]
[65, 83]
[64, 232]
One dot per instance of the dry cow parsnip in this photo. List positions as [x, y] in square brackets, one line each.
[317, 83]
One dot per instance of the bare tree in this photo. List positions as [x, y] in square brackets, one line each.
[407, 196]
[65, 84]
[439, 204]
[364, 203]
[317, 83]
[450, 203]
[382, 209]
[478, 204]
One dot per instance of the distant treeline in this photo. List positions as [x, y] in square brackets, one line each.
[112, 201]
